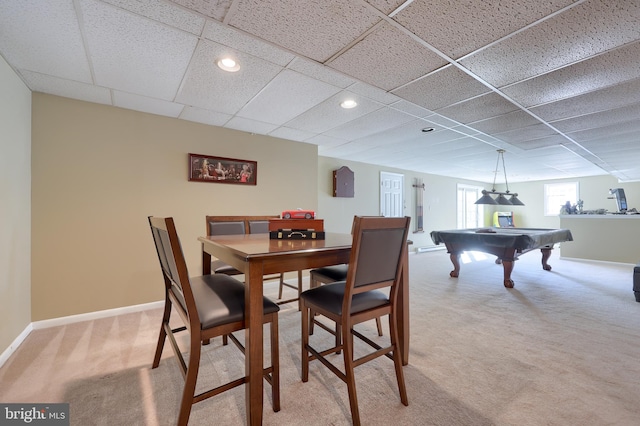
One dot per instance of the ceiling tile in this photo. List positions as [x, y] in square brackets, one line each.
[285, 96]
[43, 37]
[442, 121]
[411, 108]
[316, 29]
[67, 88]
[164, 12]
[387, 58]
[374, 93]
[606, 146]
[205, 116]
[411, 130]
[154, 55]
[526, 133]
[227, 36]
[608, 69]
[478, 108]
[320, 72]
[216, 9]
[442, 88]
[386, 6]
[613, 133]
[551, 44]
[377, 121]
[291, 134]
[598, 119]
[329, 114]
[207, 86]
[503, 123]
[459, 27]
[250, 126]
[604, 99]
[145, 104]
[535, 143]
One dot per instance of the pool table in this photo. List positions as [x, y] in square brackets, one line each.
[505, 243]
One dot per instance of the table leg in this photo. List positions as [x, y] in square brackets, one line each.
[206, 262]
[403, 311]
[253, 342]
[507, 265]
[455, 259]
[206, 270]
[546, 253]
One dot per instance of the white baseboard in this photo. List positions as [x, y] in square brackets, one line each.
[605, 262]
[54, 322]
[429, 248]
[14, 345]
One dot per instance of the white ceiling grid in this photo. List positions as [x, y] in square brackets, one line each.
[555, 83]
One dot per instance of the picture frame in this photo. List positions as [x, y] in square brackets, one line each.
[208, 168]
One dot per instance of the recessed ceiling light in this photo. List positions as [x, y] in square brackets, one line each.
[349, 103]
[427, 129]
[228, 64]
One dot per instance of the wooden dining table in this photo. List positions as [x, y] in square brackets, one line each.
[257, 255]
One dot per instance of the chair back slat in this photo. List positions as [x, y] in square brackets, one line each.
[258, 226]
[378, 255]
[173, 264]
[379, 245]
[167, 261]
[226, 228]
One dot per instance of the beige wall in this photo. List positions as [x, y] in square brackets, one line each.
[609, 238]
[593, 190]
[99, 171]
[15, 206]
[439, 198]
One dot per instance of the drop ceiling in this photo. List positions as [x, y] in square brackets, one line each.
[555, 83]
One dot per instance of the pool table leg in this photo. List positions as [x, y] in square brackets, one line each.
[546, 253]
[507, 265]
[455, 259]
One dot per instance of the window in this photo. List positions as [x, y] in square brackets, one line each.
[470, 215]
[556, 195]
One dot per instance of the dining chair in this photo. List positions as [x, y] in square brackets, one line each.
[369, 291]
[262, 227]
[238, 225]
[330, 274]
[209, 305]
[225, 228]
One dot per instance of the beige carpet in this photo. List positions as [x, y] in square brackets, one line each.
[561, 348]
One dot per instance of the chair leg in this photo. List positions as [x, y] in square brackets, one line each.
[397, 360]
[379, 325]
[275, 363]
[281, 286]
[163, 334]
[312, 284]
[350, 376]
[190, 382]
[305, 340]
[311, 324]
[299, 287]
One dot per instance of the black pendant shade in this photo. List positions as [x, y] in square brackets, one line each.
[500, 199]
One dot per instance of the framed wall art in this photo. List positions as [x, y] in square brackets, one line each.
[207, 168]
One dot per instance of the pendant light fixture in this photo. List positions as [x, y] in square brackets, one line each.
[500, 199]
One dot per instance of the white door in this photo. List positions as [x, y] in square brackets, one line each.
[391, 194]
[470, 215]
